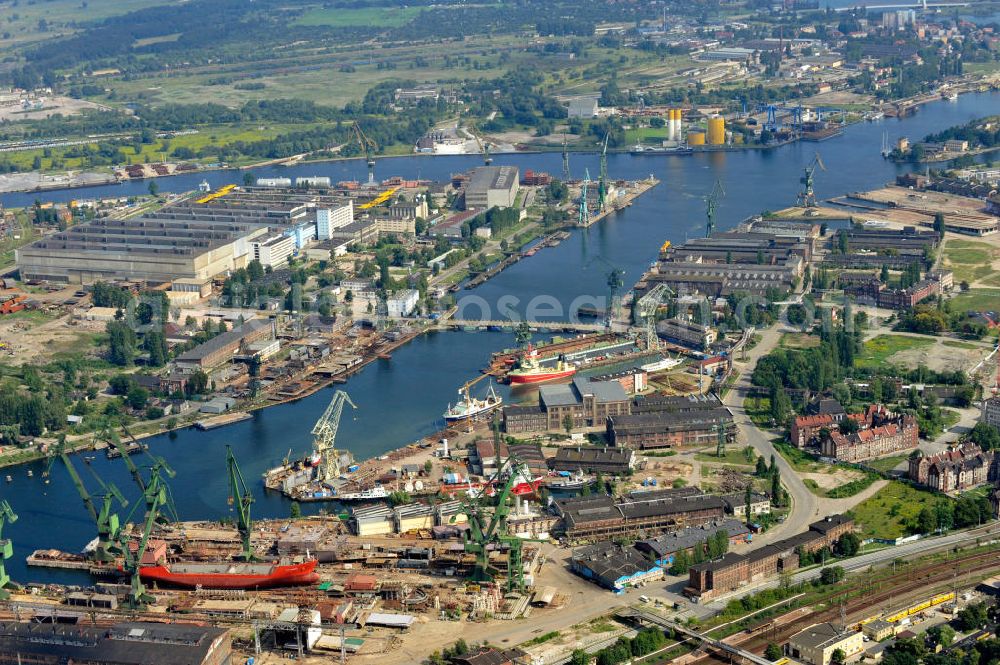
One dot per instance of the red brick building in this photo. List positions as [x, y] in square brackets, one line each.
[715, 578]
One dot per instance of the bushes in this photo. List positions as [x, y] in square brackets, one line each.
[647, 641]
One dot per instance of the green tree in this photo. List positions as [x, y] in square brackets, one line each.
[926, 520]
[579, 657]
[295, 510]
[942, 634]
[567, 423]
[838, 657]
[122, 343]
[155, 344]
[137, 397]
[154, 189]
[773, 651]
[761, 470]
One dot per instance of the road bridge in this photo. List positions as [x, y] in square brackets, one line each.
[642, 616]
[507, 324]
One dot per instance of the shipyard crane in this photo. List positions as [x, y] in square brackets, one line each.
[711, 203]
[147, 488]
[645, 312]
[157, 491]
[132, 561]
[7, 516]
[584, 219]
[807, 197]
[615, 282]
[106, 521]
[484, 147]
[369, 148]
[565, 161]
[241, 497]
[324, 437]
[602, 181]
[489, 530]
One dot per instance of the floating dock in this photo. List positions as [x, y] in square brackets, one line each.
[222, 420]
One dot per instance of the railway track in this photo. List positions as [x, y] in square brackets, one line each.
[897, 587]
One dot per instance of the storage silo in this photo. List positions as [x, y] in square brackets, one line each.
[716, 130]
[696, 137]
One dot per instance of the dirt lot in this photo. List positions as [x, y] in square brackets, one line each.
[52, 105]
[838, 477]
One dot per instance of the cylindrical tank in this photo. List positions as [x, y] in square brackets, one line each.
[408, 486]
[716, 130]
[677, 124]
[696, 137]
[419, 486]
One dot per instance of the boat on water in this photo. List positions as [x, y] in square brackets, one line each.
[232, 574]
[566, 481]
[531, 370]
[371, 494]
[662, 364]
[951, 96]
[471, 407]
[874, 116]
[655, 150]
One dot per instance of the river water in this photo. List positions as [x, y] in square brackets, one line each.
[401, 399]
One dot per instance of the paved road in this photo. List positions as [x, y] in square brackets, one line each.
[805, 504]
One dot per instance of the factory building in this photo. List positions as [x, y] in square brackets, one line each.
[686, 333]
[588, 403]
[273, 250]
[492, 186]
[743, 247]
[663, 549]
[130, 643]
[221, 348]
[722, 279]
[614, 567]
[143, 249]
[592, 459]
[668, 429]
[603, 517]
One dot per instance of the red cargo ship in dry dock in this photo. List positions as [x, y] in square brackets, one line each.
[232, 574]
[531, 370]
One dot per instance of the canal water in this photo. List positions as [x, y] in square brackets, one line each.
[402, 399]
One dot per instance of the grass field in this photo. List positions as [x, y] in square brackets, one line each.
[969, 260]
[890, 510]
[878, 350]
[759, 410]
[21, 19]
[955, 344]
[981, 300]
[799, 459]
[732, 456]
[799, 341]
[887, 463]
[341, 18]
[645, 135]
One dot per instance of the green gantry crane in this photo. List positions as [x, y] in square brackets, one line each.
[711, 202]
[169, 512]
[132, 561]
[482, 533]
[108, 525]
[602, 180]
[7, 516]
[241, 498]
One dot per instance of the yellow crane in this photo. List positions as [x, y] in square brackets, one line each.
[370, 148]
[484, 146]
